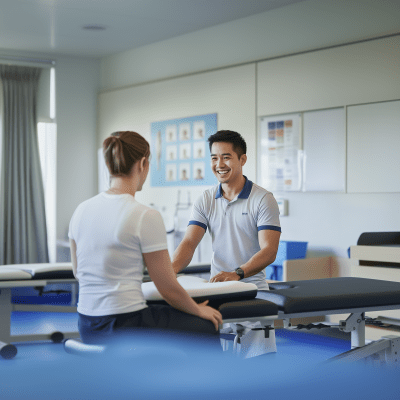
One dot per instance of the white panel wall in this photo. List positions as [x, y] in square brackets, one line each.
[324, 144]
[331, 222]
[361, 73]
[230, 93]
[367, 72]
[43, 101]
[77, 81]
[298, 27]
[338, 77]
[374, 148]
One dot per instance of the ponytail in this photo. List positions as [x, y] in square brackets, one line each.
[122, 150]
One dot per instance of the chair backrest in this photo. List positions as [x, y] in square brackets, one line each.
[379, 238]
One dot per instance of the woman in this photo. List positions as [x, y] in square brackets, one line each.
[112, 238]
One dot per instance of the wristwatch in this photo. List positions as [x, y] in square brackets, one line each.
[240, 272]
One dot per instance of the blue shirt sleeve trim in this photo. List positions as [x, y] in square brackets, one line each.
[198, 224]
[270, 227]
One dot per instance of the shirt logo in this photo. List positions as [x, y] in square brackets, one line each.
[244, 213]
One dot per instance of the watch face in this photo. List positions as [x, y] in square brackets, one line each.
[240, 272]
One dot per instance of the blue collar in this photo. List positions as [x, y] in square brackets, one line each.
[244, 194]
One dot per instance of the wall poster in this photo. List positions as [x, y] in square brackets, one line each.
[279, 153]
[180, 153]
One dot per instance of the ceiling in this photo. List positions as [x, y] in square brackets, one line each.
[56, 26]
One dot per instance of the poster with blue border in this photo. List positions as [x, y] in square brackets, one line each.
[180, 153]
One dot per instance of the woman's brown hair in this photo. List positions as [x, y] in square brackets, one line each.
[122, 150]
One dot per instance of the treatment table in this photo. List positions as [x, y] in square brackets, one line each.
[37, 276]
[239, 302]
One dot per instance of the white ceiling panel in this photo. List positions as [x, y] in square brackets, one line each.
[56, 26]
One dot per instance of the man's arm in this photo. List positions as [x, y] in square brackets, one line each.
[184, 252]
[269, 242]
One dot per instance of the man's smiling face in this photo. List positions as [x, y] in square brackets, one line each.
[225, 163]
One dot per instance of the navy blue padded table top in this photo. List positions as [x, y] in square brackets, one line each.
[331, 294]
[60, 274]
[248, 309]
[215, 300]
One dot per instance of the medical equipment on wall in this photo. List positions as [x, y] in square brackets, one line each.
[181, 220]
[176, 220]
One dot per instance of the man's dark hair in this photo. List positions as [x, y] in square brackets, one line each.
[238, 143]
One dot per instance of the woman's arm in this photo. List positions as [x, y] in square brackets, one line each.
[160, 270]
[73, 257]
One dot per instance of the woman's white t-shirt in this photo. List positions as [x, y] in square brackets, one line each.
[111, 233]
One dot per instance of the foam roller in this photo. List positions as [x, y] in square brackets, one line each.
[76, 346]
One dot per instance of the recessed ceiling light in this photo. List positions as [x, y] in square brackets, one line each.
[94, 27]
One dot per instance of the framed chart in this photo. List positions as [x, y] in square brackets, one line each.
[180, 153]
[279, 153]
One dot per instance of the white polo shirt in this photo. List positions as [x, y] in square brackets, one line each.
[234, 225]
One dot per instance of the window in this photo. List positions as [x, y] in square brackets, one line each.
[47, 137]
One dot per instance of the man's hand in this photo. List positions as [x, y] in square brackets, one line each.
[225, 276]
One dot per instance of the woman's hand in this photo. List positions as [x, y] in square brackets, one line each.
[161, 272]
[211, 314]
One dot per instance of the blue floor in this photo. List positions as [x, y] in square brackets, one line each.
[26, 322]
[166, 368]
[303, 345]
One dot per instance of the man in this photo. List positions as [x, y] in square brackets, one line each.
[242, 217]
[243, 221]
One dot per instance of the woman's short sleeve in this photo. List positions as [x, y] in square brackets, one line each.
[152, 233]
[72, 223]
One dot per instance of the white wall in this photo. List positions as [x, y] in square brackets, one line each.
[364, 72]
[230, 93]
[361, 73]
[302, 26]
[77, 82]
[354, 74]
[331, 222]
